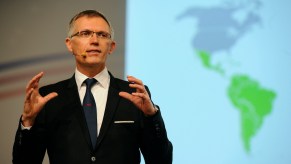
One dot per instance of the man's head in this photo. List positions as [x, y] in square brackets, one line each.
[90, 40]
[88, 13]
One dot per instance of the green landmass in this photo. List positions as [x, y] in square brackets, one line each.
[252, 100]
[254, 103]
[206, 62]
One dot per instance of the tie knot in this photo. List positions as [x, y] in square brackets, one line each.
[90, 82]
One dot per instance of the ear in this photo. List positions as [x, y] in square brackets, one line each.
[112, 47]
[69, 44]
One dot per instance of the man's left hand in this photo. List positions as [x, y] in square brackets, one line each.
[140, 98]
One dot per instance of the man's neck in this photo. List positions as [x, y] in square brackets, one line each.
[90, 71]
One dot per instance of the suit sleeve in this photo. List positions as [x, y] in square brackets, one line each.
[29, 146]
[156, 147]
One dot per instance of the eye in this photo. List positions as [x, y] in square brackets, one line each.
[86, 33]
[101, 34]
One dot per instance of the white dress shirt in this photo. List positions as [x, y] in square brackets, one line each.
[99, 91]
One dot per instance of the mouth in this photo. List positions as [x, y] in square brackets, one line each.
[93, 51]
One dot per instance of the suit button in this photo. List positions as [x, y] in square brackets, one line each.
[93, 159]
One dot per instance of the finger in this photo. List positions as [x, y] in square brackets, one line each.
[125, 95]
[28, 94]
[140, 88]
[33, 83]
[50, 96]
[132, 79]
[141, 95]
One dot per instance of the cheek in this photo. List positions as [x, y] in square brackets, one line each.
[78, 47]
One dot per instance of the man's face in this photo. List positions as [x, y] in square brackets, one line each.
[95, 48]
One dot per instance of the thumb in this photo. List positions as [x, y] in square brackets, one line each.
[125, 95]
[50, 96]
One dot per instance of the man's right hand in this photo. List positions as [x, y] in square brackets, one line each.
[34, 102]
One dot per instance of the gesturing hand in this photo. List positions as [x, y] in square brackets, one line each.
[34, 102]
[140, 98]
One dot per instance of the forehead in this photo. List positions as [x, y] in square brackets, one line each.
[91, 23]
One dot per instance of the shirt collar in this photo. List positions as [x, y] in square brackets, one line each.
[103, 78]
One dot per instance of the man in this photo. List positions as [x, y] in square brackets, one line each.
[122, 120]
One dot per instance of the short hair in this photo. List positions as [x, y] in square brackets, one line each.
[88, 13]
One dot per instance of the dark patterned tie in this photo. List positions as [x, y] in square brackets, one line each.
[89, 107]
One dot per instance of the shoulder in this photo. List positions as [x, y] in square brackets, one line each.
[119, 84]
[123, 85]
[58, 86]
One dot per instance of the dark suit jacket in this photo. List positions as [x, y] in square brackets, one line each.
[60, 128]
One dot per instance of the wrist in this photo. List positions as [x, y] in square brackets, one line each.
[153, 111]
[27, 121]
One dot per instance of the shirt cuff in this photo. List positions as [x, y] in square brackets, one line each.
[24, 127]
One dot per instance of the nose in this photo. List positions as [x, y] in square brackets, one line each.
[94, 39]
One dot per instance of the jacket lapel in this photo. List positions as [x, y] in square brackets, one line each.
[74, 103]
[111, 106]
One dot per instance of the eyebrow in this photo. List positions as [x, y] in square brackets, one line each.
[94, 30]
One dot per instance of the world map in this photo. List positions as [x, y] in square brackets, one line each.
[219, 70]
[218, 30]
